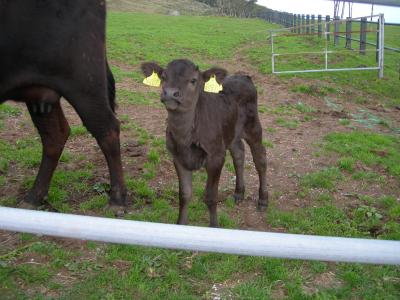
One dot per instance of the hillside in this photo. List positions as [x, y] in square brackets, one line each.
[184, 7]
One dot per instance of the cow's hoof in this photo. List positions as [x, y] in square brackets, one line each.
[27, 205]
[34, 200]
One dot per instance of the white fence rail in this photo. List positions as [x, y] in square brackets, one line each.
[201, 238]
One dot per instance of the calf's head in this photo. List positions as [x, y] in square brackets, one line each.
[182, 82]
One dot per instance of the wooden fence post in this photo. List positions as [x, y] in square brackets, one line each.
[328, 27]
[298, 24]
[319, 26]
[294, 23]
[363, 35]
[336, 34]
[308, 23]
[348, 33]
[312, 23]
[377, 41]
[303, 22]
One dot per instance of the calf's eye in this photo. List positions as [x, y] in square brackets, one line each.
[193, 81]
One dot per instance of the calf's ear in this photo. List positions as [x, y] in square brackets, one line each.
[148, 68]
[219, 74]
[152, 71]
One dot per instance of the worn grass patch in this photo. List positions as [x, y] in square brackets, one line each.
[313, 90]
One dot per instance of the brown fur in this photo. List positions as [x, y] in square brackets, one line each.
[202, 126]
[51, 49]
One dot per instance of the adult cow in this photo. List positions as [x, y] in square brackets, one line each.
[56, 48]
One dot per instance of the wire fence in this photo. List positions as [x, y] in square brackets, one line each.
[307, 24]
[320, 36]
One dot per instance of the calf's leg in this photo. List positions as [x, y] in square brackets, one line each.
[185, 191]
[54, 131]
[253, 136]
[237, 152]
[214, 168]
[101, 122]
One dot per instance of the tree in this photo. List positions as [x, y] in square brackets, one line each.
[236, 8]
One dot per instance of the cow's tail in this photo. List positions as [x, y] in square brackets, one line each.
[111, 88]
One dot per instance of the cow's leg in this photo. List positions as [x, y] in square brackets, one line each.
[253, 136]
[237, 152]
[214, 166]
[185, 191]
[54, 131]
[101, 122]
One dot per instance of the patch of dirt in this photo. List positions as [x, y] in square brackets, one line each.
[322, 281]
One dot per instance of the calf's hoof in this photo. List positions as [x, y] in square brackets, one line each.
[262, 206]
[214, 223]
[118, 198]
[118, 210]
[182, 222]
[238, 197]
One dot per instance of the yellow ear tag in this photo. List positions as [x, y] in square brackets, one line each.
[212, 85]
[152, 80]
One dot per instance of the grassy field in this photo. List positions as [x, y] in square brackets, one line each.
[184, 7]
[334, 154]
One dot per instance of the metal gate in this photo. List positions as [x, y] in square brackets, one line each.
[326, 35]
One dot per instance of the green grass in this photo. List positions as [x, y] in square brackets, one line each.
[290, 124]
[347, 163]
[95, 203]
[344, 122]
[369, 148]
[138, 98]
[267, 143]
[209, 41]
[78, 130]
[7, 110]
[304, 108]
[324, 179]
[27, 152]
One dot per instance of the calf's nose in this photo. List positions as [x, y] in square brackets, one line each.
[171, 94]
